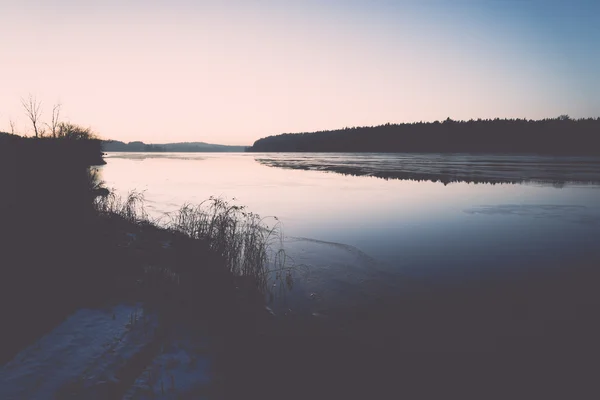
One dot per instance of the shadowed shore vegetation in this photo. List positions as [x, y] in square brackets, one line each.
[68, 243]
[560, 136]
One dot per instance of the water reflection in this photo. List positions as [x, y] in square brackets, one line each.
[144, 156]
[444, 168]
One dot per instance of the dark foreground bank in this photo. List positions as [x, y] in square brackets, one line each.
[46, 201]
[67, 243]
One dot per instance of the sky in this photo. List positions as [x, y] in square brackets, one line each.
[231, 72]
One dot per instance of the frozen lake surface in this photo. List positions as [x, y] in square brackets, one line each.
[435, 217]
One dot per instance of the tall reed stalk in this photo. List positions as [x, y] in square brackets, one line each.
[249, 246]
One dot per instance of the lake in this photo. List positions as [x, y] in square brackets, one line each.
[360, 227]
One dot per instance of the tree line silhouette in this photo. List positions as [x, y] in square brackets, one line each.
[560, 136]
[115, 145]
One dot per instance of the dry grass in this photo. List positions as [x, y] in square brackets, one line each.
[250, 247]
[131, 208]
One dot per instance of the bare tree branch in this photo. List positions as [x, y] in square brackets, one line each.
[12, 126]
[55, 119]
[33, 110]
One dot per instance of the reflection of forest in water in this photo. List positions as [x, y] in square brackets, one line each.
[492, 169]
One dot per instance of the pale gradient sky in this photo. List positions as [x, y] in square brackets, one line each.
[232, 72]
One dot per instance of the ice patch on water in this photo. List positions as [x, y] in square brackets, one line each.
[332, 275]
[447, 168]
[573, 213]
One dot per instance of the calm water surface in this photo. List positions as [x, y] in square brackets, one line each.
[362, 236]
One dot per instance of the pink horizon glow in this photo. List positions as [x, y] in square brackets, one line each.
[232, 75]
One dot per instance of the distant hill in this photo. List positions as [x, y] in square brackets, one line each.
[191, 147]
[561, 135]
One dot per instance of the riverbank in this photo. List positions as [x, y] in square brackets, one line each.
[67, 244]
[45, 206]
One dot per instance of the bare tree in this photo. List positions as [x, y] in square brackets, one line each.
[55, 116]
[12, 126]
[33, 110]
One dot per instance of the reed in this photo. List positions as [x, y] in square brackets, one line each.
[250, 246]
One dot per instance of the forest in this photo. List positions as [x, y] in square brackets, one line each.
[555, 136]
